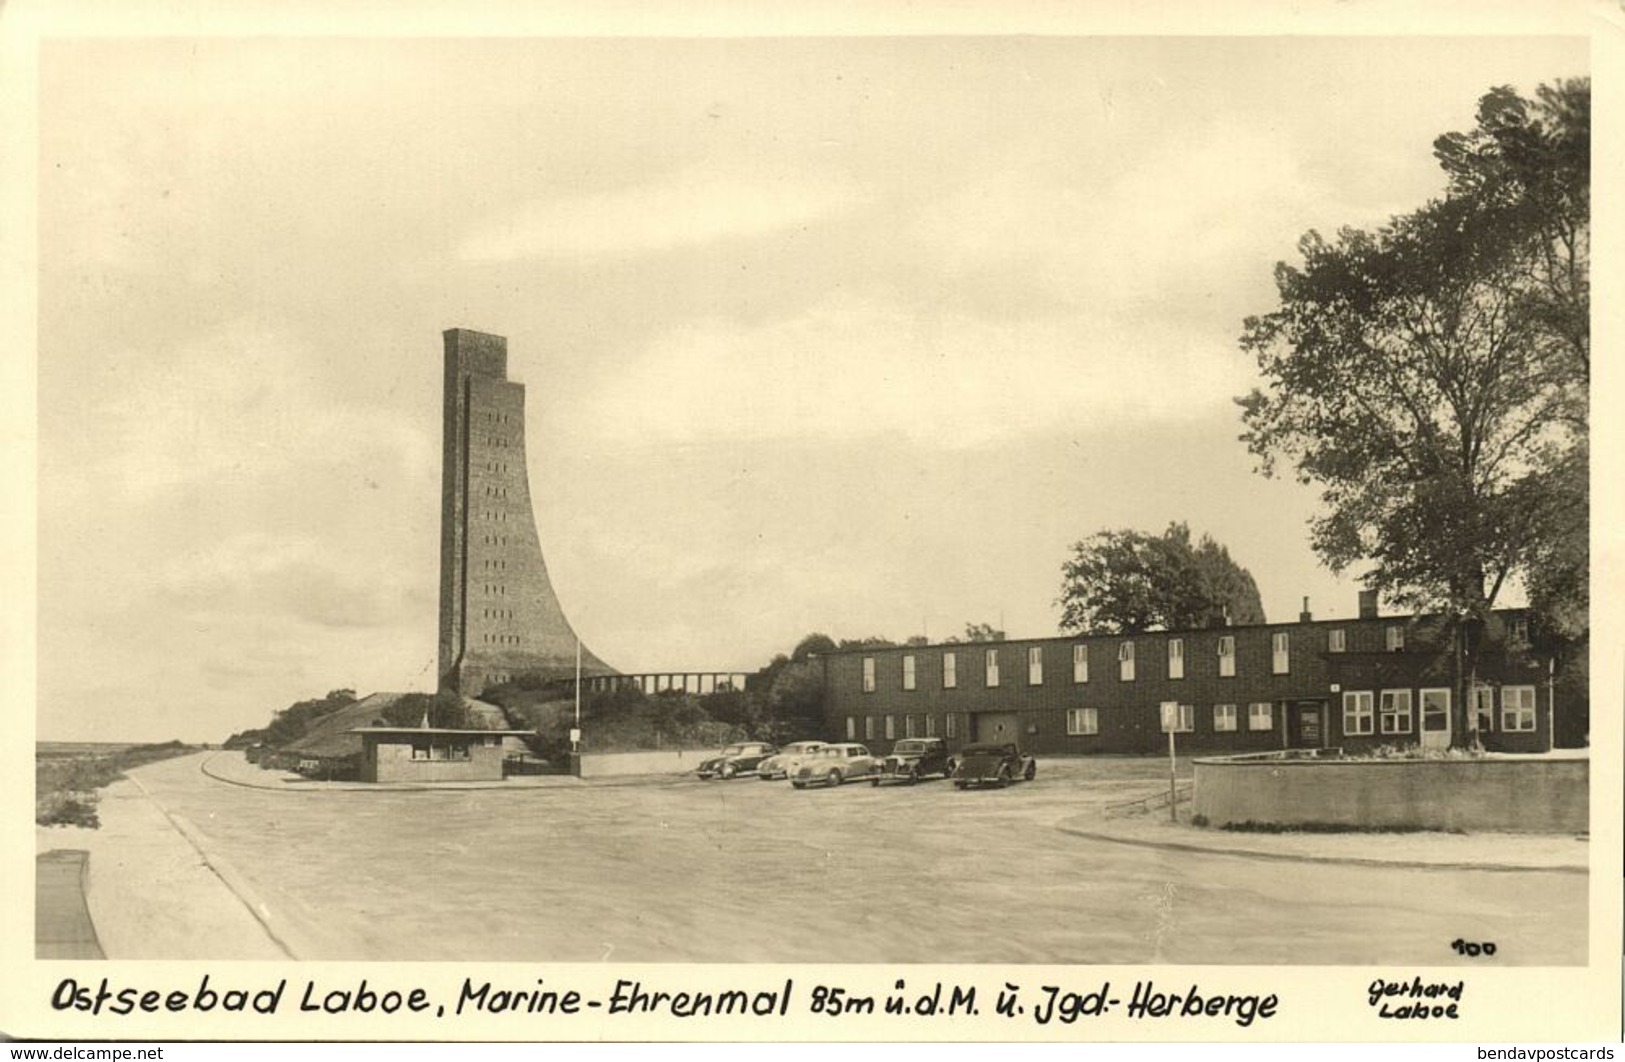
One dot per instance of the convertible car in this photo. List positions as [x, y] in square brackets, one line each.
[993, 765]
[783, 763]
[914, 758]
[835, 764]
[741, 758]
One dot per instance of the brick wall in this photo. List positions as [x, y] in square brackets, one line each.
[1128, 712]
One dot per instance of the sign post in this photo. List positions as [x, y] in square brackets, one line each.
[1170, 721]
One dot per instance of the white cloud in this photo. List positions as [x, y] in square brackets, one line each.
[691, 206]
[850, 367]
[1176, 223]
[242, 406]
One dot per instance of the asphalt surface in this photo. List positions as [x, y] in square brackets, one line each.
[744, 871]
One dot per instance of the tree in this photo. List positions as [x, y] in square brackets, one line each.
[1431, 376]
[444, 710]
[983, 632]
[1123, 582]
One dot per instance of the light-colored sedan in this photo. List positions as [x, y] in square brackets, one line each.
[788, 758]
[836, 764]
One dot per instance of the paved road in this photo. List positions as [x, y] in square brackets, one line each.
[754, 872]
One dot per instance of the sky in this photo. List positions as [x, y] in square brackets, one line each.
[851, 335]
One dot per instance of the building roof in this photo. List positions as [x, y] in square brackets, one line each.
[1178, 632]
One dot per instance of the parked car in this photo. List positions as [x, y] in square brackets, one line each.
[784, 762]
[993, 765]
[835, 764]
[737, 759]
[914, 758]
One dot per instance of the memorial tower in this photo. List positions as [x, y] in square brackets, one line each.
[499, 615]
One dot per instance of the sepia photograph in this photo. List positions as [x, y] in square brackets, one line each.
[798, 502]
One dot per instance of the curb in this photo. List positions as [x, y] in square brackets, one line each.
[1352, 861]
[227, 875]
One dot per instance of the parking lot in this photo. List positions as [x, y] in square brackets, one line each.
[746, 871]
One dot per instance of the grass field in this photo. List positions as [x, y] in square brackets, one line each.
[69, 774]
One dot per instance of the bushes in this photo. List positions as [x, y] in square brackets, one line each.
[65, 790]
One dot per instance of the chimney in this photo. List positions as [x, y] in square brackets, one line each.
[1368, 604]
[1306, 616]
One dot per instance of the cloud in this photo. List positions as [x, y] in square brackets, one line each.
[241, 406]
[1181, 222]
[853, 367]
[300, 578]
[689, 207]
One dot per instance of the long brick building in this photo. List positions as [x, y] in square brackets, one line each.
[1350, 683]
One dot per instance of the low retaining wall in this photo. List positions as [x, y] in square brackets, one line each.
[618, 764]
[1516, 795]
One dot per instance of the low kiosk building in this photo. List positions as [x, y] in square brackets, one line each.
[431, 754]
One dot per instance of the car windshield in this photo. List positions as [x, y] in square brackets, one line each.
[802, 747]
[911, 748]
[733, 750]
[984, 750]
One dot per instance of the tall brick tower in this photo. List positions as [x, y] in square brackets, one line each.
[499, 616]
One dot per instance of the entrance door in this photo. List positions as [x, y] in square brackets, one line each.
[995, 727]
[1436, 719]
[1306, 725]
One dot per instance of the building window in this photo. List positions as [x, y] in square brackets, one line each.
[1395, 639]
[950, 725]
[1227, 656]
[1035, 666]
[911, 726]
[1484, 708]
[868, 728]
[1260, 716]
[1396, 712]
[1517, 709]
[1356, 714]
[1082, 721]
[1176, 658]
[1224, 717]
[891, 728]
[1281, 653]
[1181, 718]
[1080, 663]
[420, 750]
[1125, 662]
[1518, 631]
[950, 671]
[992, 667]
[851, 728]
[908, 672]
[930, 725]
[1337, 641]
[1435, 711]
[868, 674]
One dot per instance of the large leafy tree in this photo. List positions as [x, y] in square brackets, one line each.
[1431, 376]
[1121, 582]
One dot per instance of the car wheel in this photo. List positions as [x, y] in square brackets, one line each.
[948, 771]
[1004, 777]
[959, 783]
[799, 785]
[874, 782]
[1031, 772]
[913, 776]
[834, 778]
[728, 770]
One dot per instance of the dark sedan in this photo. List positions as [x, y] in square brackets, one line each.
[993, 765]
[914, 758]
[741, 758]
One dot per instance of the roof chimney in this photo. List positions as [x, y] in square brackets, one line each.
[1306, 616]
[1368, 604]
